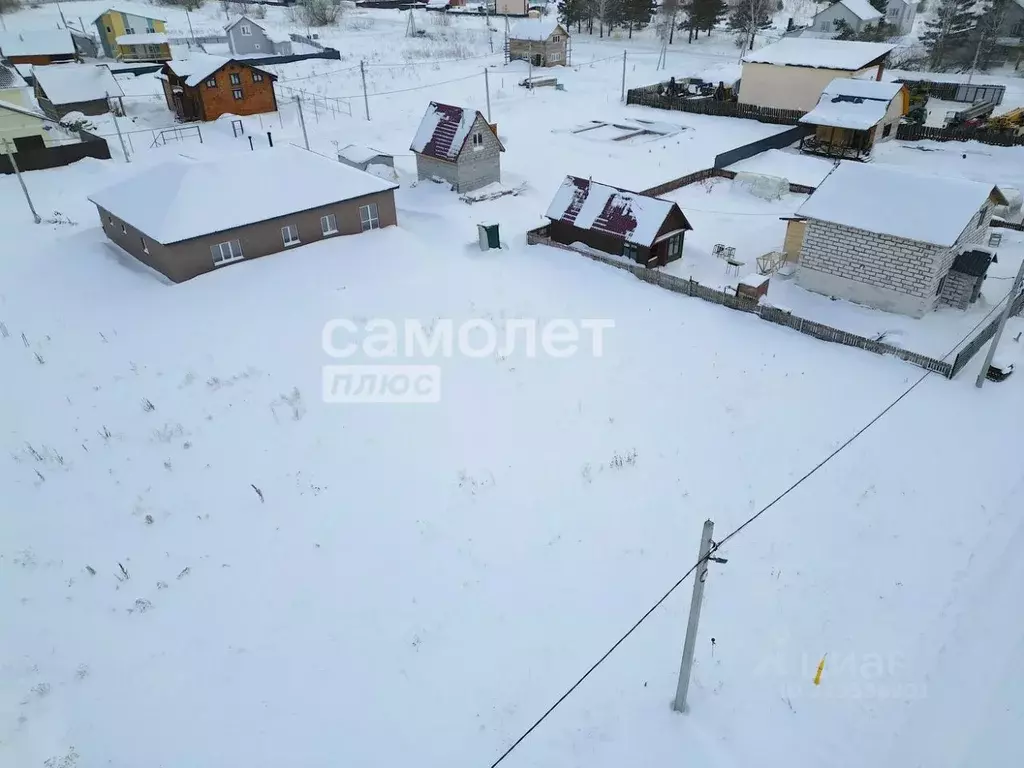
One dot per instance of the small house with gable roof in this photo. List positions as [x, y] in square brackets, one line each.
[641, 228]
[542, 41]
[457, 145]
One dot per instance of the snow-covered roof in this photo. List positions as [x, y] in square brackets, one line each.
[849, 103]
[184, 199]
[357, 153]
[37, 42]
[823, 54]
[846, 112]
[144, 38]
[10, 77]
[71, 83]
[140, 10]
[863, 89]
[862, 9]
[537, 30]
[199, 66]
[444, 130]
[634, 217]
[240, 19]
[891, 201]
[277, 36]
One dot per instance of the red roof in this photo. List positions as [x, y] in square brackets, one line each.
[444, 130]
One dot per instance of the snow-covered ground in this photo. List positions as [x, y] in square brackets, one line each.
[203, 563]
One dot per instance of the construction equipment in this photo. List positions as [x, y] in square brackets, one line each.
[972, 117]
[1008, 122]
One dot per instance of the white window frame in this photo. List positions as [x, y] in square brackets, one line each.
[553, 56]
[369, 216]
[211, 82]
[237, 94]
[329, 225]
[478, 139]
[235, 78]
[556, 38]
[290, 235]
[246, 30]
[257, 77]
[233, 249]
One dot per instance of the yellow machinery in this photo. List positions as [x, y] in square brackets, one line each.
[1009, 122]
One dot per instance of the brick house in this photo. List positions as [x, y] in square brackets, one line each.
[457, 145]
[646, 230]
[205, 87]
[542, 41]
[184, 218]
[895, 240]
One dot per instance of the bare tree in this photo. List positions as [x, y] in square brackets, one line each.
[320, 13]
[747, 17]
[668, 16]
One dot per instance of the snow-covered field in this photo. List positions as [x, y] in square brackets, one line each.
[202, 563]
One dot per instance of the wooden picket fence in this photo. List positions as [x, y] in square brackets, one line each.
[649, 96]
[908, 132]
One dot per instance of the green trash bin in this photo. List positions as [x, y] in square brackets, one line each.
[488, 234]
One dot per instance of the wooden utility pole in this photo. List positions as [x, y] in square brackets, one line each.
[1014, 292]
[366, 98]
[487, 90]
[302, 120]
[17, 171]
[623, 75]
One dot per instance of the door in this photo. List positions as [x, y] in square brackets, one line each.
[537, 60]
[672, 249]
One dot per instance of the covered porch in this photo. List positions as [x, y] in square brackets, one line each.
[838, 143]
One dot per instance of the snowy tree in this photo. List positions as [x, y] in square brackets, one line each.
[572, 12]
[986, 33]
[637, 14]
[946, 38]
[746, 17]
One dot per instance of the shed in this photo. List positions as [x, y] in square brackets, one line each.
[887, 237]
[542, 41]
[853, 115]
[457, 145]
[158, 217]
[644, 229]
[962, 285]
[85, 88]
[34, 46]
[792, 73]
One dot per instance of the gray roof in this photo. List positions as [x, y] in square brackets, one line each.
[9, 77]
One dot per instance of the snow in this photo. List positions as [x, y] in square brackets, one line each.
[181, 200]
[197, 67]
[10, 77]
[145, 38]
[537, 30]
[825, 54]
[71, 83]
[798, 167]
[239, 19]
[649, 213]
[862, 9]
[54, 42]
[357, 153]
[838, 112]
[435, 127]
[889, 201]
[12, 107]
[422, 582]
[864, 88]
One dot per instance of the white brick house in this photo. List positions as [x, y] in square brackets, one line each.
[458, 146]
[887, 238]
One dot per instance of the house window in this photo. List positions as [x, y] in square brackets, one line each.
[246, 30]
[225, 253]
[110, 220]
[290, 235]
[556, 38]
[237, 93]
[368, 217]
[145, 248]
[257, 77]
[329, 224]
[886, 130]
[942, 284]
[149, 28]
[1017, 30]
[894, 12]
[630, 251]
[236, 79]
[109, 29]
[211, 82]
[554, 57]
[478, 139]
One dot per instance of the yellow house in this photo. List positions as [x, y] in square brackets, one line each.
[792, 73]
[131, 36]
[25, 128]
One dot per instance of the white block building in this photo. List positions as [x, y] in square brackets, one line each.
[888, 238]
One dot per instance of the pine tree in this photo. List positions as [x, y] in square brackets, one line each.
[843, 30]
[946, 38]
[882, 6]
[571, 12]
[637, 14]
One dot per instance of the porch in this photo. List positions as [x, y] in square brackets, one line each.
[838, 143]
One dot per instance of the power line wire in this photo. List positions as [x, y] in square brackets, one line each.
[735, 532]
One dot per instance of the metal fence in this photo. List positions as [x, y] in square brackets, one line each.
[778, 141]
[974, 346]
[969, 94]
[88, 145]
[651, 96]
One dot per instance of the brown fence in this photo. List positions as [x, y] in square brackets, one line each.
[649, 96]
[751, 306]
[1003, 224]
[908, 132]
[53, 157]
